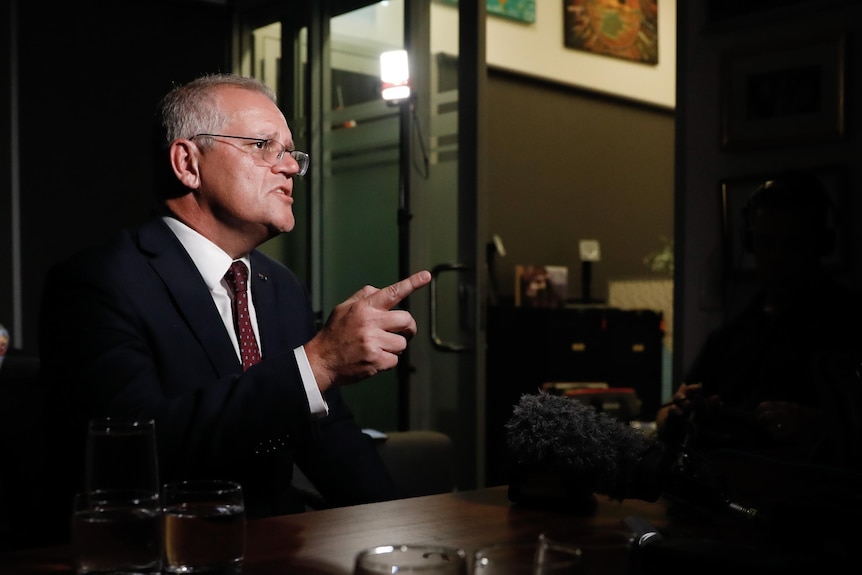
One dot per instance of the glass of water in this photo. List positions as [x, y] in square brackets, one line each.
[121, 454]
[117, 518]
[204, 527]
[411, 558]
[526, 558]
[117, 531]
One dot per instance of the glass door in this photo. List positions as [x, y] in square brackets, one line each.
[387, 195]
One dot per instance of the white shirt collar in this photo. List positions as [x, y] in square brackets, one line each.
[212, 262]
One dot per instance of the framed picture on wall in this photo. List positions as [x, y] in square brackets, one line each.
[520, 10]
[626, 30]
[735, 194]
[783, 95]
[541, 286]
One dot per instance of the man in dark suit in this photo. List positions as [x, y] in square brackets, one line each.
[143, 326]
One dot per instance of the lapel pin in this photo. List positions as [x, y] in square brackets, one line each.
[262, 277]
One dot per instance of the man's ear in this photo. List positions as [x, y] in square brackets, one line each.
[184, 162]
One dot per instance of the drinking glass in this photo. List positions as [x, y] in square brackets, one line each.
[204, 527]
[116, 524]
[411, 558]
[602, 552]
[526, 558]
[117, 531]
[121, 454]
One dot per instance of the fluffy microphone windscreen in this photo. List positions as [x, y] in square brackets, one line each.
[552, 432]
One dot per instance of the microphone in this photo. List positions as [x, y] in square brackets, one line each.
[589, 452]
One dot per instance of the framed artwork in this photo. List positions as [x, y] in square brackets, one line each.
[627, 30]
[541, 286]
[783, 95]
[735, 193]
[520, 10]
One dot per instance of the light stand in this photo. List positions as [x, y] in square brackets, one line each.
[395, 90]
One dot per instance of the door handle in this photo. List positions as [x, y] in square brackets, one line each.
[436, 340]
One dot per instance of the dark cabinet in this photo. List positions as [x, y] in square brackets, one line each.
[528, 347]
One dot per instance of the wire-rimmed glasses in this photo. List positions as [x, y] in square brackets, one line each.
[273, 151]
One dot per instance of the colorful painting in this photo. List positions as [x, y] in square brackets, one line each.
[626, 29]
[521, 10]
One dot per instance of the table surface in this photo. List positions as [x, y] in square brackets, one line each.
[326, 542]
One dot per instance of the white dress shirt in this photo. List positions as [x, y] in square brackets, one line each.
[212, 263]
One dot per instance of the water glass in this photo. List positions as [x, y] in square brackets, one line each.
[116, 524]
[118, 531]
[526, 558]
[204, 527]
[121, 454]
[411, 558]
[602, 552]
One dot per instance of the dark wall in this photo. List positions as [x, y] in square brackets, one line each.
[91, 74]
[706, 292]
[7, 31]
[566, 165]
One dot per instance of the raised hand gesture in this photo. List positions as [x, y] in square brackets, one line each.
[364, 335]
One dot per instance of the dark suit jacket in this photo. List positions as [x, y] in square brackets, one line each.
[129, 328]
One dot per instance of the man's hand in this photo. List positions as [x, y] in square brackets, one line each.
[364, 335]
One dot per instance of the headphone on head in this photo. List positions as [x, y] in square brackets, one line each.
[793, 191]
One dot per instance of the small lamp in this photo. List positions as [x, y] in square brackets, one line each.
[395, 76]
[590, 252]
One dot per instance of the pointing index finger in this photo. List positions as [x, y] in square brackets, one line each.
[390, 296]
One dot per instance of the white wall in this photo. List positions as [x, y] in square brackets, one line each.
[537, 49]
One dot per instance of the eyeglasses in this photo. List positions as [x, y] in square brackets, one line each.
[273, 151]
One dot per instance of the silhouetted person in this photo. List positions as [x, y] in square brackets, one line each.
[778, 381]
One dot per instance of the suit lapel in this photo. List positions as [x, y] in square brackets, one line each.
[170, 261]
[263, 287]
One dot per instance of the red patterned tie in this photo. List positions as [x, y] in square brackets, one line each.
[237, 277]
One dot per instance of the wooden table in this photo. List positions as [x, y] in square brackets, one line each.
[326, 542]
